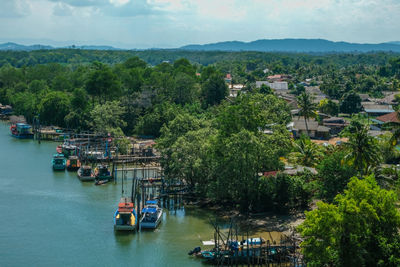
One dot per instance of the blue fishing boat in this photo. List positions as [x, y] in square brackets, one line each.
[21, 131]
[59, 162]
[151, 215]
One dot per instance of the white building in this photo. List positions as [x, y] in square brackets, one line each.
[273, 85]
[235, 89]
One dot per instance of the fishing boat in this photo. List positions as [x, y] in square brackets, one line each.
[73, 163]
[102, 173]
[69, 150]
[58, 162]
[151, 215]
[125, 215]
[21, 131]
[85, 173]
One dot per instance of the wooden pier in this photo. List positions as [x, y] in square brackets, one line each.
[233, 249]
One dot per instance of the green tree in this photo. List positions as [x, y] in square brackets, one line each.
[102, 83]
[361, 229]
[329, 107]
[334, 175]
[54, 107]
[266, 90]
[185, 89]
[135, 62]
[25, 104]
[214, 90]
[351, 103]
[37, 86]
[79, 100]
[244, 156]
[306, 153]
[252, 112]
[151, 123]
[362, 149]
[190, 158]
[107, 118]
[306, 107]
[183, 65]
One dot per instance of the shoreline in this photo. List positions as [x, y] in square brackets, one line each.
[270, 221]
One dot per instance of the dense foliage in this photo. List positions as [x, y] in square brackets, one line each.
[360, 229]
[233, 150]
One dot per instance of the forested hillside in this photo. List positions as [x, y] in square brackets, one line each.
[233, 151]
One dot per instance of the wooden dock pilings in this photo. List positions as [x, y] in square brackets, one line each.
[232, 249]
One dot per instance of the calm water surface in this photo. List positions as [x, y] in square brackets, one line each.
[51, 218]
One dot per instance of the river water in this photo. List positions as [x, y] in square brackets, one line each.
[52, 218]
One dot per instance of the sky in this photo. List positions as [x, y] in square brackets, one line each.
[173, 23]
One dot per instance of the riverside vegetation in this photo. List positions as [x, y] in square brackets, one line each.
[218, 145]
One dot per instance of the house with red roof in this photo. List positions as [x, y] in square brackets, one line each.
[389, 118]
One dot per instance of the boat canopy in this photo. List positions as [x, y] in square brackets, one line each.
[151, 202]
[23, 126]
[125, 207]
[149, 210]
[58, 155]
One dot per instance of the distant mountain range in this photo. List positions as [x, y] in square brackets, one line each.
[266, 45]
[19, 47]
[294, 45]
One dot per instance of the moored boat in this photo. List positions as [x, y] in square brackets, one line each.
[125, 215]
[21, 131]
[151, 215]
[73, 163]
[85, 173]
[102, 173]
[69, 150]
[58, 162]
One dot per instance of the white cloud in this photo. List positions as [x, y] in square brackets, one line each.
[119, 2]
[62, 9]
[14, 8]
[178, 22]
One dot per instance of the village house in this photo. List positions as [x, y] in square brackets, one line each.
[273, 85]
[388, 99]
[298, 127]
[234, 89]
[387, 121]
[317, 94]
[336, 124]
[278, 78]
[374, 109]
[228, 78]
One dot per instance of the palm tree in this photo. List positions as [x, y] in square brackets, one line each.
[306, 153]
[306, 107]
[363, 150]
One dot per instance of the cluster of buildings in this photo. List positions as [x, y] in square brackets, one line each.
[380, 111]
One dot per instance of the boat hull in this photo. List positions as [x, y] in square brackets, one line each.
[69, 168]
[86, 178]
[152, 225]
[59, 167]
[125, 217]
[23, 136]
[124, 227]
[149, 225]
